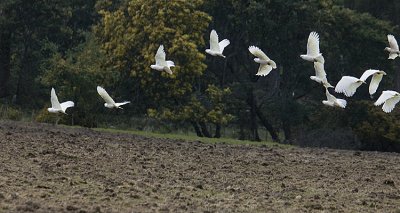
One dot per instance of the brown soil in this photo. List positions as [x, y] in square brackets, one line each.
[44, 168]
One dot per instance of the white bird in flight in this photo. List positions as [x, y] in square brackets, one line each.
[348, 85]
[266, 64]
[109, 102]
[313, 52]
[56, 107]
[333, 101]
[320, 75]
[216, 47]
[377, 76]
[161, 63]
[393, 48]
[389, 99]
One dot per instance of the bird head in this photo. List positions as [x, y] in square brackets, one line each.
[382, 72]
[108, 105]
[387, 49]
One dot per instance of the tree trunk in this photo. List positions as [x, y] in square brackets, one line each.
[204, 130]
[287, 130]
[5, 58]
[22, 73]
[217, 131]
[253, 117]
[241, 131]
[267, 125]
[197, 129]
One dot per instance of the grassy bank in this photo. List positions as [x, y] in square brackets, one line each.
[193, 138]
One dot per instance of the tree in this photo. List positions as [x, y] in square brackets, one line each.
[287, 97]
[131, 36]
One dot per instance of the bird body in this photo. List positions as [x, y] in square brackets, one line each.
[216, 47]
[393, 48]
[110, 103]
[56, 106]
[266, 64]
[313, 52]
[161, 63]
[333, 101]
[389, 99]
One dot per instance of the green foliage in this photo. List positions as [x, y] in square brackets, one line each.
[131, 39]
[372, 125]
[75, 77]
[11, 113]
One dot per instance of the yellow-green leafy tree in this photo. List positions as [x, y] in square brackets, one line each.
[131, 35]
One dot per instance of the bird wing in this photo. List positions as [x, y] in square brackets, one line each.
[392, 42]
[390, 103]
[342, 103]
[319, 70]
[106, 97]
[224, 43]
[122, 103]
[347, 85]
[368, 73]
[55, 104]
[214, 45]
[66, 105]
[258, 53]
[264, 69]
[160, 56]
[329, 96]
[170, 64]
[313, 44]
[373, 86]
[384, 97]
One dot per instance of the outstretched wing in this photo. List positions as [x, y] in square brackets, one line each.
[347, 85]
[368, 73]
[106, 97]
[264, 70]
[392, 42]
[342, 103]
[55, 104]
[258, 53]
[329, 96]
[123, 103]
[373, 86]
[224, 43]
[160, 56]
[214, 45]
[313, 44]
[390, 103]
[66, 105]
[319, 70]
[384, 97]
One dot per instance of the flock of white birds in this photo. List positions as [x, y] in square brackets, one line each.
[347, 85]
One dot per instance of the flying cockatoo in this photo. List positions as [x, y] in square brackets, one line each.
[216, 47]
[56, 107]
[320, 75]
[348, 85]
[161, 63]
[266, 64]
[333, 101]
[389, 99]
[376, 79]
[109, 102]
[313, 53]
[393, 48]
